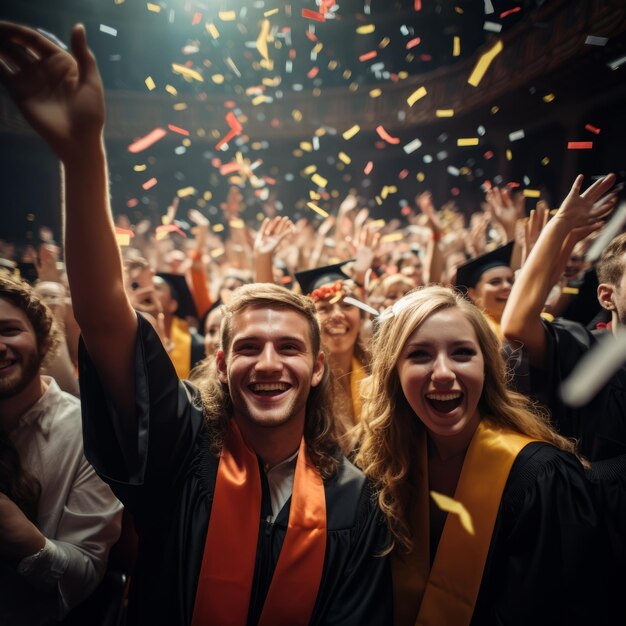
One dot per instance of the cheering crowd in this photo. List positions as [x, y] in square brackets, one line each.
[334, 421]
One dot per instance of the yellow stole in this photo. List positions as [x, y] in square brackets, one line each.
[357, 375]
[180, 355]
[447, 593]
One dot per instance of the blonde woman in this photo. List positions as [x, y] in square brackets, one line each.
[442, 432]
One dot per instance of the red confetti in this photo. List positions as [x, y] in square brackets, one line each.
[413, 43]
[579, 145]
[368, 55]
[426, 57]
[403, 174]
[233, 122]
[512, 185]
[177, 129]
[455, 191]
[418, 5]
[230, 104]
[385, 136]
[406, 211]
[196, 18]
[147, 140]
[505, 13]
[368, 168]
[313, 72]
[124, 231]
[149, 183]
[269, 180]
[592, 129]
[292, 52]
[488, 155]
[229, 168]
[132, 203]
[313, 15]
[310, 36]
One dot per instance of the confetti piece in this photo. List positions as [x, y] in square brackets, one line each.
[237, 223]
[165, 229]
[186, 191]
[516, 135]
[616, 63]
[454, 171]
[270, 13]
[360, 305]
[509, 12]
[150, 83]
[385, 136]
[596, 41]
[368, 168]
[171, 90]
[488, 7]
[320, 181]
[531, 193]
[218, 251]
[592, 129]
[549, 97]
[212, 30]
[392, 237]
[413, 42]
[444, 113]
[149, 183]
[177, 129]
[570, 291]
[227, 16]
[416, 95]
[313, 72]
[467, 141]
[122, 239]
[351, 132]
[492, 27]
[579, 145]
[146, 141]
[412, 146]
[187, 71]
[261, 42]
[483, 64]
[313, 15]
[315, 208]
[155, 8]
[108, 30]
[366, 29]
[344, 158]
[368, 55]
[375, 93]
[449, 505]
[197, 18]
[456, 46]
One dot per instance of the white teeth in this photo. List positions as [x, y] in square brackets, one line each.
[443, 396]
[4, 364]
[336, 331]
[270, 387]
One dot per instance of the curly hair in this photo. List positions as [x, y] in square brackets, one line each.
[319, 432]
[15, 481]
[389, 429]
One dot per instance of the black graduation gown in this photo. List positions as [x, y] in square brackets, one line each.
[600, 425]
[165, 475]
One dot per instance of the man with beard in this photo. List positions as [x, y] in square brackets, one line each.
[246, 511]
[57, 518]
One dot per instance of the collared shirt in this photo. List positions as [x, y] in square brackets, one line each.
[280, 481]
[77, 513]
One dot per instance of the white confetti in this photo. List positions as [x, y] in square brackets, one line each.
[596, 41]
[492, 27]
[518, 134]
[107, 30]
[412, 146]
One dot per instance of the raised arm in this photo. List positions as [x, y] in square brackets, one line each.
[579, 215]
[267, 240]
[61, 95]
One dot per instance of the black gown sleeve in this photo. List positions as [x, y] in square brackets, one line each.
[168, 417]
[543, 566]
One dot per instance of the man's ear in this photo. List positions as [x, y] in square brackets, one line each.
[318, 370]
[605, 296]
[220, 360]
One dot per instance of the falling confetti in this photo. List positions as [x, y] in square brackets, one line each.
[450, 505]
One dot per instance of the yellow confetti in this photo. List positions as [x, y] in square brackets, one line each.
[309, 170]
[467, 141]
[140, 168]
[150, 83]
[218, 251]
[218, 79]
[351, 132]
[270, 12]
[186, 191]
[261, 42]
[545, 160]
[218, 228]
[119, 1]
[207, 195]
[378, 200]
[237, 223]
[155, 8]
[444, 112]
[572, 291]
[532, 193]
[421, 177]
[418, 94]
[297, 115]
[377, 224]
[315, 208]
[509, 155]
[187, 72]
[456, 46]
[392, 237]
[384, 42]
[320, 181]
[345, 158]
[212, 30]
[171, 89]
[366, 29]
[260, 99]
[374, 93]
[227, 16]
[320, 132]
[319, 46]
[549, 97]
[449, 505]
[180, 106]
[123, 239]
[271, 82]
[483, 63]
[307, 146]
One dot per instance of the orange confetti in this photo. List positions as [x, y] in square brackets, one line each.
[313, 72]
[313, 15]
[164, 229]
[505, 13]
[385, 136]
[592, 129]
[310, 36]
[368, 55]
[149, 183]
[368, 168]
[229, 168]
[177, 129]
[197, 18]
[147, 140]
[418, 5]
[579, 145]
[413, 43]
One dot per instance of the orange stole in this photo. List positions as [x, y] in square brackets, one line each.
[447, 594]
[227, 571]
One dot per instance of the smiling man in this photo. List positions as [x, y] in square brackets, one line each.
[245, 509]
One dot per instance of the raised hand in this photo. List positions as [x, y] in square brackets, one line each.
[505, 208]
[425, 204]
[59, 94]
[533, 227]
[271, 233]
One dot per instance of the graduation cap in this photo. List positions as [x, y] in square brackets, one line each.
[468, 275]
[180, 292]
[310, 280]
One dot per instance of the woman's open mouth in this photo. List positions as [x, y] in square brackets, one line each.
[445, 402]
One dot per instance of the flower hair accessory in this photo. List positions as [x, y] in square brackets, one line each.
[328, 291]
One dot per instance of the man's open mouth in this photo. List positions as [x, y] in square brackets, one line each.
[269, 389]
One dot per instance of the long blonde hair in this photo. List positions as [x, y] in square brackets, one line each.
[390, 428]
